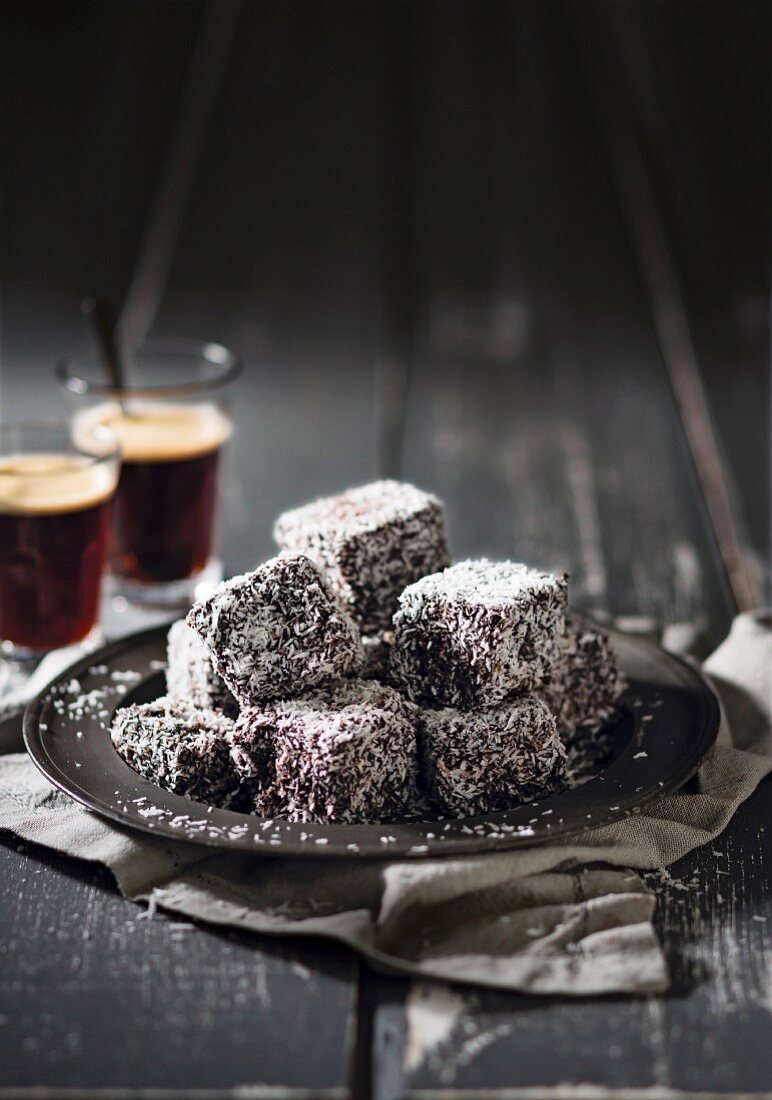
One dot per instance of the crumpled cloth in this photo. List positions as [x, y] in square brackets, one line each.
[569, 917]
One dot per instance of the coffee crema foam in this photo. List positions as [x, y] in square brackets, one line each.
[158, 432]
[50, 484]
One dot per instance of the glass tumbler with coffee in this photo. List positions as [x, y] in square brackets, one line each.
[56, 493]
[170, 417]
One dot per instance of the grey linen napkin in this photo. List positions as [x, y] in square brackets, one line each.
[540, 920]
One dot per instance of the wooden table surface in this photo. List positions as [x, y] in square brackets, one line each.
[449, 240]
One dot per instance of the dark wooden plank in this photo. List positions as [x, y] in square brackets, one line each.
[96, 993]
[280, 256]
[88, 92]
[636, 191]
[699, 86]
[396, 227]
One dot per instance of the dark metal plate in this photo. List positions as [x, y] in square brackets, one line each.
[669, 721]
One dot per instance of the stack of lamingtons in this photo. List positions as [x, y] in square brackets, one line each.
[358, 676]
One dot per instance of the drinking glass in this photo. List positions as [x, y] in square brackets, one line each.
[172, 424]
[55, 499]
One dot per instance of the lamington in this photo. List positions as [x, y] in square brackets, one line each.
[477, 762]
[345, 753]
[373, 541]
[477, 633]
[278, 631]
[586, 686]
[183, 750]
[190, 677]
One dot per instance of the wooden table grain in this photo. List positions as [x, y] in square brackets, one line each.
[404, 218]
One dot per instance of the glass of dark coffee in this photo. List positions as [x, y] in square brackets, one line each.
[56, 494]
[172, 424]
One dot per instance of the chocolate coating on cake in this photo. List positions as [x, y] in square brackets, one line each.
[181, 749]
[477, 633]
[373, 541]
[477, 762]
[190, 675]
[278, 631]
[345, 753]
[586, 685]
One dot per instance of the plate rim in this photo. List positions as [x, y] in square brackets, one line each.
[440, 846]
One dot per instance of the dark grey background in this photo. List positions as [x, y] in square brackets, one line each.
[410, 221]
